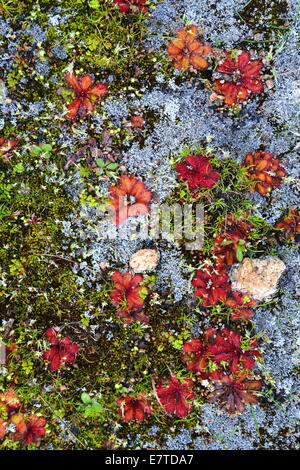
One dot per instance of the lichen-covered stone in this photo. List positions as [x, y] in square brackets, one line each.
[257, 277]
[143, 260]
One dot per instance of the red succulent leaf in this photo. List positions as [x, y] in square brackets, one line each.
[243, 78]
[197, 171]
[127, 288]
[62, 351]
[198, 358]
[136, 5]
[137, 121]
[86, 95]
[51, 335]
[241, 306]
[227, 243]
[20, 424]
[127, 294]
[28, 429]
[233, 393]
[227, 347]
[173, 395]
[133, 408]
[264, 171]
[130, 198]
[195, 356]
[9, 350]
[2, 428]
[290, 224]
[11, 401]
[231, 92]
[186, 51]
[212, 284]
[132, 315]
[6, 146]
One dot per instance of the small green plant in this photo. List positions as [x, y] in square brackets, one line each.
[107, 168]
[91, 407]
[42, 151]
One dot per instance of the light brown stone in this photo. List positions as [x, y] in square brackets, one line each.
[257, 278]
[143, 260]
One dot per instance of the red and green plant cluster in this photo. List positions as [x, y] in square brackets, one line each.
[128, 295]
[240, 73]
[15, 422]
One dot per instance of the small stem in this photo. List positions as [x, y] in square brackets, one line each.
[69, 430]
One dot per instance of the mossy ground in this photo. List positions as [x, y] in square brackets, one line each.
[38, 287]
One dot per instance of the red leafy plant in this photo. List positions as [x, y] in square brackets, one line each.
[219, 349]
[234, 392]
[186, 51]
[29, 429]
[128, 293]
[290, 224]
[242, 76]
[10, 401]
[173, 395]
[34, 220]
[2, 428]
[197, 171]
[129, 199]
[86, 94]
[10, 351]
[6, 146]
[9, 404]
[196, 354]
[135, 5]
[230, 244]
[241, 306]
[212, 284]
[228, 348]
[264, 171]
[134, 408]
[137, 121]
[62, 350]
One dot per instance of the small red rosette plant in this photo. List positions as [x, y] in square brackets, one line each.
[242, 77]
[264, 171]
[174, 394]
[197, 171]
[127, 295]
[125, 6]
[86, 93]
[29, 429]
[235, 392]
[62, 350]
[223, 347]
[230, 245]
[128, 199]
[241, 306]
[227, 347]
[134, 408]
[196, 354]
[9, 401]
[187, 51]
[290, 224]
[212, 284]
